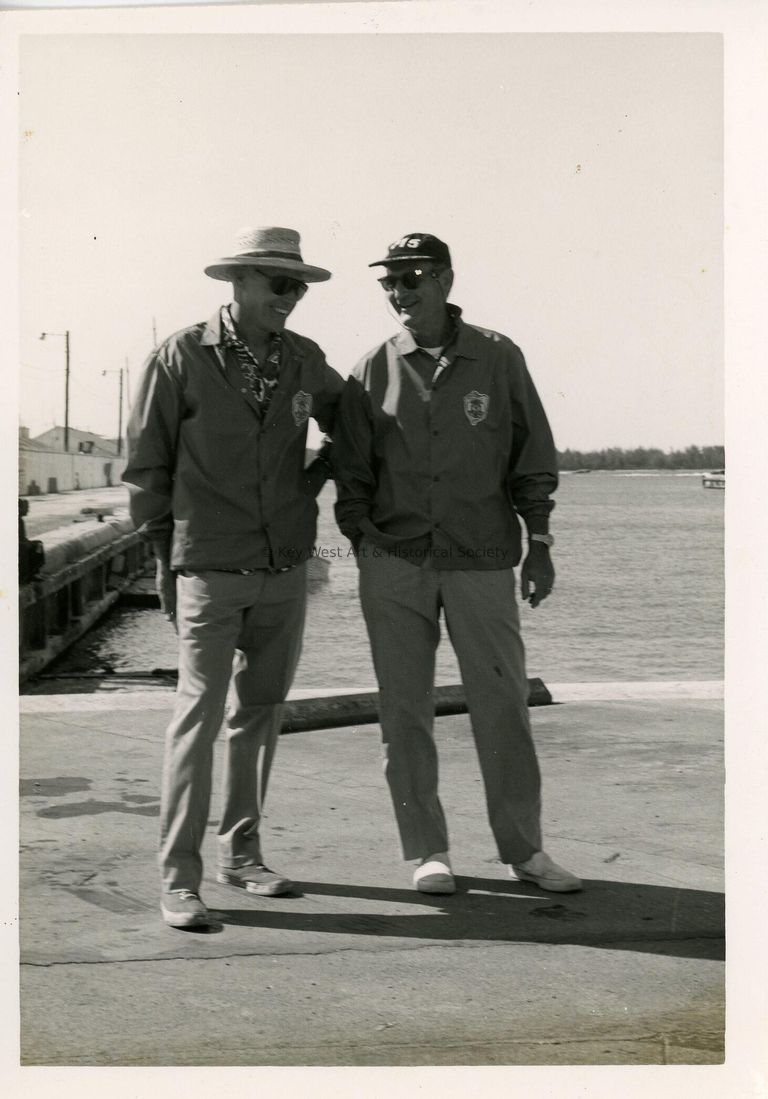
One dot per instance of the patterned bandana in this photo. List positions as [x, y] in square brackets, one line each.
[261, 379]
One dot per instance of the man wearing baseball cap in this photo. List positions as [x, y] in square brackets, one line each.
[441, 447]
[216, 456]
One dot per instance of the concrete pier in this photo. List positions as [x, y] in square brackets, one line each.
[359, 969]
[56, 509]
[86, 567]
[358, 972]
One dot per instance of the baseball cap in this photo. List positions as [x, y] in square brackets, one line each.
[414, 246]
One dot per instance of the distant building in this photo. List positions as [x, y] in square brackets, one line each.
[80, 442]
[45, 467]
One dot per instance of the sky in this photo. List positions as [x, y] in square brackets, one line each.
[577, 179]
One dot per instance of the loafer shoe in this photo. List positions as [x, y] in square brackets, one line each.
[433, 875]
[183, 908]
[542, 871]
[255, 879]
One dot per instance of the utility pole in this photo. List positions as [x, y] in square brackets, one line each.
[66, 382]
[66, 392]
[119, 409]
[120, 418]
[127, 387]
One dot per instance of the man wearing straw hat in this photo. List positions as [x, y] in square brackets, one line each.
[441, 444]
[217, 443]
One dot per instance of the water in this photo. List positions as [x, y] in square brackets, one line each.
[638, 595]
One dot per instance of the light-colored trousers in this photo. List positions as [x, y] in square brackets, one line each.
[239, 635]
[401, 603]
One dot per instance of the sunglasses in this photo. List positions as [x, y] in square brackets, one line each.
[409, 280]
[284, 284]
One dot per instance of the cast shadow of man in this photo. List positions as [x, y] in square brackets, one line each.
[667, 920]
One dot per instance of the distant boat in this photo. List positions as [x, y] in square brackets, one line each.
[714, 479]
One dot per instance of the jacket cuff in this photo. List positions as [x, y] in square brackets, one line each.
[537, 525]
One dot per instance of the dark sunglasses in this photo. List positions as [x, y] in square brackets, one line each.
[409, 280]
[284, 284]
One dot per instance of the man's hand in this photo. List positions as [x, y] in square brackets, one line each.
[314, 477]
[165, 585]
[538, 575]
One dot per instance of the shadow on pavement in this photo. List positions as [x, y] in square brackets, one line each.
[685, 923]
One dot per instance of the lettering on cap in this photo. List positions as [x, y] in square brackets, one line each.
[406, 242]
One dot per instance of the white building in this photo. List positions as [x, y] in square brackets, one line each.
[44, 465]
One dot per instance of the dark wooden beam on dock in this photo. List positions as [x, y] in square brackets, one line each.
[361, 708]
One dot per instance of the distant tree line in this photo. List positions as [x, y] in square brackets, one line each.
[693, 457]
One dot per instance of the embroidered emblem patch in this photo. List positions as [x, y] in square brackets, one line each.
[476, 407]
[301, 406]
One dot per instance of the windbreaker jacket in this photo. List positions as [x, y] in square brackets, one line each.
[228, 489]
[447, 465]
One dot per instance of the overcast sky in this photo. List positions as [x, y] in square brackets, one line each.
[577, 179]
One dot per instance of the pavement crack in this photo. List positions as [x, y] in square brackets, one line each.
[361, 950]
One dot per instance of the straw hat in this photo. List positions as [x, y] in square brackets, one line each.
[266, 247]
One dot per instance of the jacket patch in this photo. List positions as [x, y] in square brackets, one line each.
[476, 407]
[301, 406]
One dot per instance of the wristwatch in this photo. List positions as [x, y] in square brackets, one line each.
[547, 539]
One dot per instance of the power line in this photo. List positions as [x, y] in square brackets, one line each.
[100, 397]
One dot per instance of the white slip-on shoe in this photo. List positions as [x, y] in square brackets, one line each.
[542, 871]
[433, 874]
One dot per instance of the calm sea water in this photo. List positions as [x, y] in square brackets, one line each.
[638, 596]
